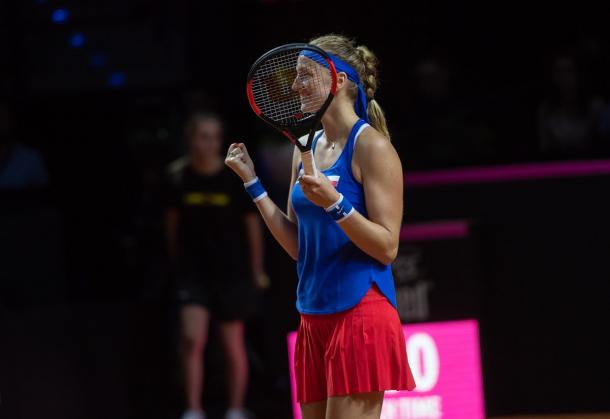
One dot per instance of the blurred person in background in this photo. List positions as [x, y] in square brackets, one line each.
[567, 116]
[21, 167]
[215, 243]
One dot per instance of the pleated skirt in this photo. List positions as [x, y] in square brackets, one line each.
[359, 350]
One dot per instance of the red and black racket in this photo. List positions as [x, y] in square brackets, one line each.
[290, 88]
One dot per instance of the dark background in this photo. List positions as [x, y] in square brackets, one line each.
[87, 328]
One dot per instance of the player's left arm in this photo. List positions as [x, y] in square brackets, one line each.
[382, 180]
[381, 174]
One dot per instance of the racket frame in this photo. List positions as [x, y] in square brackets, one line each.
[297, 130]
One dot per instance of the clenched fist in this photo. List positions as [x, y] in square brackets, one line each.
[240, 162]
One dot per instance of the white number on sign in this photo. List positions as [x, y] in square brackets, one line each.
[423, 359]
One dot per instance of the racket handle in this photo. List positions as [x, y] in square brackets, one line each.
[309, 164]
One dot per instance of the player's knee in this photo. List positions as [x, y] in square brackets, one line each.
[194, 345]
[235, 352]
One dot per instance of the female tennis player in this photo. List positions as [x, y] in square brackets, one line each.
[342, 227]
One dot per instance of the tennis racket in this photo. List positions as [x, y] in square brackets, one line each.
[290, 88]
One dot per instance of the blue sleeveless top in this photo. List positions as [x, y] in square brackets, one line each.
[334, 274]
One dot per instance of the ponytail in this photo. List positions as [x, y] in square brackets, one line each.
[377, 118]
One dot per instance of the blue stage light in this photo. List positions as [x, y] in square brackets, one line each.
[77, 40]
[116, 79]
[60, 16]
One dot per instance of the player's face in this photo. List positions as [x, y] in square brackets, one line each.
[207, 138]
[312, 83]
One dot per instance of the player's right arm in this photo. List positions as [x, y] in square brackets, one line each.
[282, 226]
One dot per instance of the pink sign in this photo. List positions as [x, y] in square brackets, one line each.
[445, 361]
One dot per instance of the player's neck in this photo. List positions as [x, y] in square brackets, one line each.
[338, 122]
[206, 165]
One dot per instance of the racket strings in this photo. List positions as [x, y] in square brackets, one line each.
[273, 92]
[272, 87]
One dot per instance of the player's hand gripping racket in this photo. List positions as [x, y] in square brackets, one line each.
[290, 88]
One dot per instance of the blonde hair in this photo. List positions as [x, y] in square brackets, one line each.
[365, 63]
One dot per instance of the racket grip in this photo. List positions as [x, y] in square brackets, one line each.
[309, 164]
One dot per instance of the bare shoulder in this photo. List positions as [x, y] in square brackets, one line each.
[374, 151]
[175, 169]
[178, 165]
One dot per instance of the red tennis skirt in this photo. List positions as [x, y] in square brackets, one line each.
[359, 350]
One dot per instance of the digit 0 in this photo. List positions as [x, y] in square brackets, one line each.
[424, 361]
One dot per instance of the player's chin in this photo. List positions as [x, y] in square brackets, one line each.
[306, 106]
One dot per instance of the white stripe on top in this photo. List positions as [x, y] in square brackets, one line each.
[358, 133]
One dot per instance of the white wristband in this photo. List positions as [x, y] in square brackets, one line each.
[337, 202]
[251, 182]
[341, 209]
